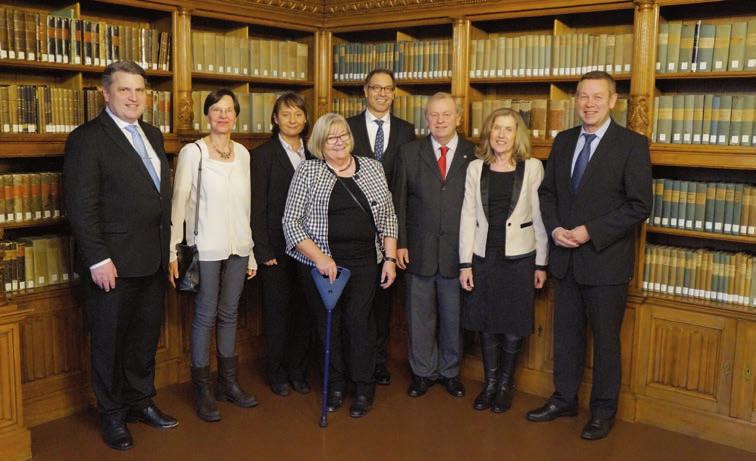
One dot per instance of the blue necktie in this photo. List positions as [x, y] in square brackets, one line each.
[379, 141]
[582, 161]
[142, 151]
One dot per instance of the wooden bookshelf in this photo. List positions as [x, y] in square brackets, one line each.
[539, 79]
[705, 75]
[746, 239]
[704, 156]
[234, 78]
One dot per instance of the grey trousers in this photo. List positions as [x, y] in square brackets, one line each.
[433, 323]
[221, 285]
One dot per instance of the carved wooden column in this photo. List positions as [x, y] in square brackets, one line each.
[460, 60]
[182, 70]
[15, 439]
[645, 29]
[323, 72]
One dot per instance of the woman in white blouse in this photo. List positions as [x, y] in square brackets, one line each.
[224, 243]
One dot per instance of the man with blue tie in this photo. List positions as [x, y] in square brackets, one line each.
[118, 201]
[379, 134]
[595, 192]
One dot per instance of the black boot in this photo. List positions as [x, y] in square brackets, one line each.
[490, 351]
[203, 397]
[228, 388]
[505, 392]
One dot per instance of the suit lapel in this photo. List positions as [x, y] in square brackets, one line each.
[429, 157]
[362, 138]
[565, 160]
[128, 151]
[459, 161]
[282, 157]
[602, 151]
[485, 174]
[516, 187]
[393, 135]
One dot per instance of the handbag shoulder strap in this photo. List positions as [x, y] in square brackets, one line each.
[357, 201]
[199, 188]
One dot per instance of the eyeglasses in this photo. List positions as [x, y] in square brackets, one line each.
[223, 111]
[381, 89]
[331, 140]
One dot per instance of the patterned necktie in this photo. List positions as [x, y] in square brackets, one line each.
[582, 161]
[142, 151]
[442, 162]
[379, 141]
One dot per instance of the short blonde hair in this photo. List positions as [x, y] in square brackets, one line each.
[444, 95]
[320, 133]
[521, 141]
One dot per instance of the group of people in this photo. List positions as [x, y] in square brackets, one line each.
[473, 228]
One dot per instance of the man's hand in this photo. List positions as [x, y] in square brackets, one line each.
[105, 276]
[402, 258]
[580, 234]
[173, 273]
[251, 273]
[564, 238]
[466, 279]
[271, 262]
[539, 279]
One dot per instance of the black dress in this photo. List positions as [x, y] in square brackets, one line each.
[502, 300]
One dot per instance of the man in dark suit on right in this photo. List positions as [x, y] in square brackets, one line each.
[379, 134]
[596, 190]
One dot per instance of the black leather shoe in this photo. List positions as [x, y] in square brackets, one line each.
[382, 375]
[335, 400]
[300, 386]
[360, 406]
[453, 386]
[115, 434]
[549, 412]
[419, 386]
[280, 389]
[597, 428]
[152, 416]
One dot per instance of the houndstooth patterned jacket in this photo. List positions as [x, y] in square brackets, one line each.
[306, 213]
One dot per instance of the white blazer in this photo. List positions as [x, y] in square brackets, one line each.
[525, 231]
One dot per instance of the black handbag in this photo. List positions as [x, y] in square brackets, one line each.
[188, 256]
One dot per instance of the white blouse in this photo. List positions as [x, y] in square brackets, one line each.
[224, 210]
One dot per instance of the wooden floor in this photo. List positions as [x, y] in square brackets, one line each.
[434, 427]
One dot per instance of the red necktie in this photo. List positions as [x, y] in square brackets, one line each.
[442, 162]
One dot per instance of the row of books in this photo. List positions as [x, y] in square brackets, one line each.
[254, 114]
[44, 109]
[33, 36]
[727, 208]
[226, 54]
[698, 46]
[35, 262]
[701, 274]
[30, 196]
[544, 118]
[724, 119]
[416, 59]
[547, 55]
[408, 107]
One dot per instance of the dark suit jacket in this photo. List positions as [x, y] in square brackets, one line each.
[113, 206]
[271, 175]
[429, 209]
[401, 132]
[614, 196]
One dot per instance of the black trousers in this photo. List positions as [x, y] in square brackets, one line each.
[602, 307]
[382, 308]
[352, 327]
[124, 328]
[286, 321]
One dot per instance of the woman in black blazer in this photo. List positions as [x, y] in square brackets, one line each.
[285, 318]
[502, 250]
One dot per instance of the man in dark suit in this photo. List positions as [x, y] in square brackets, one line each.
[118, 201]
[596, 190]
[428, 191]
[379, 134]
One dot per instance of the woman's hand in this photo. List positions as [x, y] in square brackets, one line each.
[540, 278]
[327, 267]
[173, 273]
[270, 262]
[251, 273]
[466, 279]
[388, 274]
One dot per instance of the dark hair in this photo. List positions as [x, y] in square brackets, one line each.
[380, 71]
[217, 95]
[600, 75]
[130, 67]
[290, 99]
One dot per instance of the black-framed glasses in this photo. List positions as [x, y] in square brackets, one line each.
[381, 89]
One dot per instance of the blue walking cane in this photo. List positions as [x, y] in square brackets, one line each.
[329, 293]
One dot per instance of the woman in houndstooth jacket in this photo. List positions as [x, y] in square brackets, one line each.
[339, 212]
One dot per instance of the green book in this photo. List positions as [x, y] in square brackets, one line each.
[501, 58]
[661, 48]
[711, 193]
[655, 131]
[673, 46]
[736, 119]
[737, 207]
[685, 56]
[700, 206]
[687, 123]
[705, 56]
[665, 119]
[687, 289]
[719, 206]
[747, 137]
[746, 209]
[721, 47]
[667, 203]
[682, 205]
[674, 203]
[706, 122]
[729, 208]
[714, 128]
[750, 48]
[735, 61]
[690, 205]
[725, 112]
[678, 110]
[656, 214]
[698, 109]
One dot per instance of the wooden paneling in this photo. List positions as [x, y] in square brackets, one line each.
[15, 440]
[744, 373]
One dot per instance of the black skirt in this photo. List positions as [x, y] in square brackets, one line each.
[502, 300]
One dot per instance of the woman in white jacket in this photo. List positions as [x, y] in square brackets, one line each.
[503, 250]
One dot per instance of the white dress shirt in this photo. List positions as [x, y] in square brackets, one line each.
[452, 145]
[372, 128]
[594, 144]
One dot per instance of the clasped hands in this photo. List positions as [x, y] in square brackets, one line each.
[571, 238]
